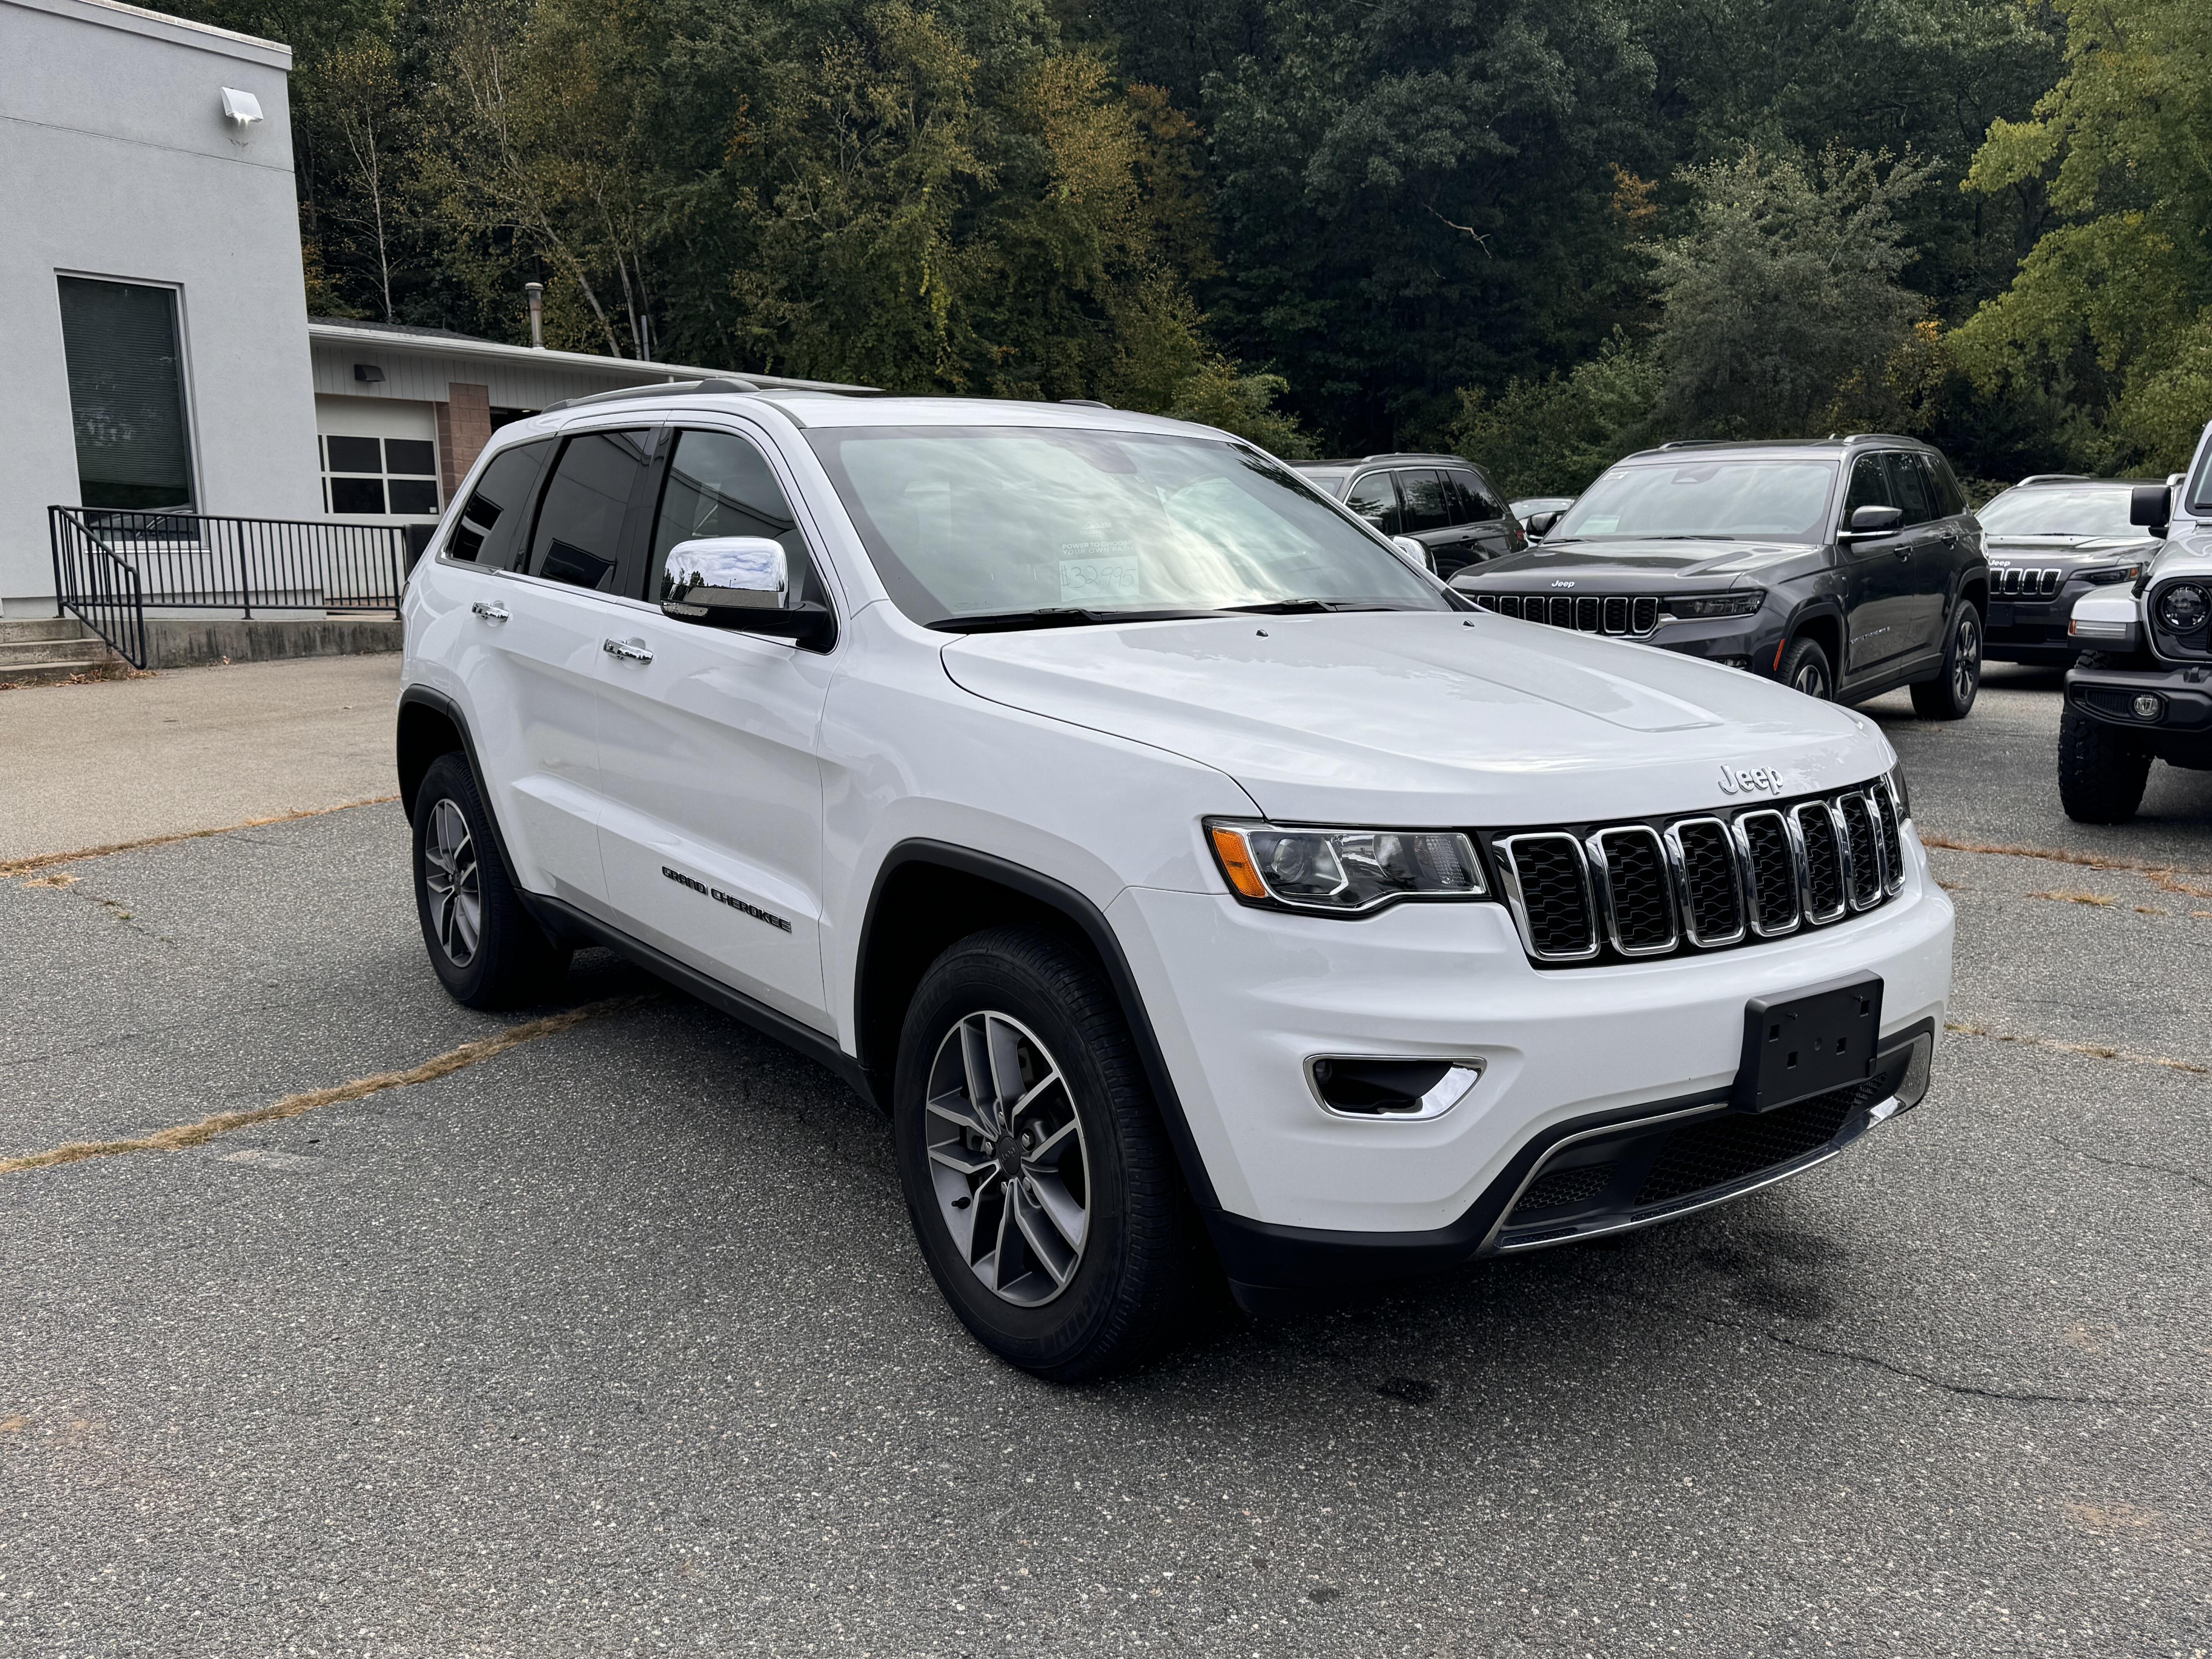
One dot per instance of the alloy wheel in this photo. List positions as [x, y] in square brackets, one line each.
[1811, 679]
[1007, 1158]
[454, 884]
[1966, 663]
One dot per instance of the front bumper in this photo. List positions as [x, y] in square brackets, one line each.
[2033, 630]
[1242, 1000]
[2179, 725]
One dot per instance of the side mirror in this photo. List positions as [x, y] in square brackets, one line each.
[2150, 506]
[742, 582]
[1538, 525]
[1414, 554]
[1870, 522]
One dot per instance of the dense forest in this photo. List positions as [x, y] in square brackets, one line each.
[1539, 232]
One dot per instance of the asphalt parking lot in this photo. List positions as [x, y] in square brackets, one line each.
[617, 1340]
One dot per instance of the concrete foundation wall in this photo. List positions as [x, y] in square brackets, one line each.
[195, 644]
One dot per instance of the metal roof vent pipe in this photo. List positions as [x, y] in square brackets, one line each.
[535, 293]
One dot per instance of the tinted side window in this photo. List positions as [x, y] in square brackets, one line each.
[490, 529]
[1869, 487]
[719, 484]
[579, 525]
[1375, 499]
[1426, 506]
[1482, 502]
[1909, 479]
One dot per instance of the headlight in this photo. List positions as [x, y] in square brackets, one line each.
[2104, 578]
[2184, 608]
[1713, 604]
[1344, 870]
[1895, 778]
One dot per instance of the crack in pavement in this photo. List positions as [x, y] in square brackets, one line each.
[12, 868]
[474, 1053]
[2129, 1164]
[2092, 1050]
[1895, 1368]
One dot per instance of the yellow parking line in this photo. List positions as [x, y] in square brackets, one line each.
[47, 861]
[453, 1060]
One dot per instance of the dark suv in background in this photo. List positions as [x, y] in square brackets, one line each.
[1442, 501]
[1845, 567]
[2050, 539]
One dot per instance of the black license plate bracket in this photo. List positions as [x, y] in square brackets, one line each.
[1806, 1043]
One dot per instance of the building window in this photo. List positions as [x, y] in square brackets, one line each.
[126, 384]
[380, 476]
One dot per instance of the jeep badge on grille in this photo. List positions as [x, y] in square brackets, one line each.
[1750, 781]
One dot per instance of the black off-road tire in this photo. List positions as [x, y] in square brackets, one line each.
[1806, 668]
[2100, 774]
[1950, 696]
[509, 962]
[1140, 1266]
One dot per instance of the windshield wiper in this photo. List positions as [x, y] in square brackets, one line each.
[1004, 621]
[1304, 607]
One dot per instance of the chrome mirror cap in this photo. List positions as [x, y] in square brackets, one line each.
[725, 573]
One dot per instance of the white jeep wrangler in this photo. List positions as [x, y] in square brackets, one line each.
[2142, 689]
[1201, 888]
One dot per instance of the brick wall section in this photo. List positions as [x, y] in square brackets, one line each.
[464, 430]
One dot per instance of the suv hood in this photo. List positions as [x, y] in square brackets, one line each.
[1422, 718]
[2068, 547]
[1665, 565]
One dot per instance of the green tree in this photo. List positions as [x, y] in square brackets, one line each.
[1781, 298]
[2112, 308]
[1553, 436]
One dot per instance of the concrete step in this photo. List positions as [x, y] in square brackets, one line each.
[106, 666]
[29, 653]
[49, 628]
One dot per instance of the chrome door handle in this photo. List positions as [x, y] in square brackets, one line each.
[489, 611]
[628, 650]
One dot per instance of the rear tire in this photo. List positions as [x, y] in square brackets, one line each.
[2101, 775]
[1805, 668]
[488, 949]
[1040, 1182]
[1950, 696]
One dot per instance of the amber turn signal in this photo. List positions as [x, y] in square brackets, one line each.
[1236, 862]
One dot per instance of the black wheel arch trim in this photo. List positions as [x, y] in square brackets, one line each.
[423, 696]
[1092, 922]
[1264, 1260]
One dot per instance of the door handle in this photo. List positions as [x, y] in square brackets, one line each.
[490, 611]
[628, 650]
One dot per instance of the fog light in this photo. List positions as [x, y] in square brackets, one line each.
[2148, 708]
[1731, 662]
[1351, 1086]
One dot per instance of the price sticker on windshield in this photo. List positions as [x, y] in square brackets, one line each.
[1097, 573]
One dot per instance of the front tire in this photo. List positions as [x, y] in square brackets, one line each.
[1805, 668]
[2101, 775]
[1950, 696]
[1039, 1183]
[487, 950]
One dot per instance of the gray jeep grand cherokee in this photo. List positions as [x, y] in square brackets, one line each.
[1845, 567]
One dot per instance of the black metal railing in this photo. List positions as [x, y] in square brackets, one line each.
[111, 568]
[96, 587]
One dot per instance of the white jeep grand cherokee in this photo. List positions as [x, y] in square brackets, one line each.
[1190, 879]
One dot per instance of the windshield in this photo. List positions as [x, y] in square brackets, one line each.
[1005, 521]
[2089, 510]
[1729, 499]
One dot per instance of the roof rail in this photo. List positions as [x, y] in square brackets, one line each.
[659, 389]
[1695, 443]
[2055, 477]
[1881, 437]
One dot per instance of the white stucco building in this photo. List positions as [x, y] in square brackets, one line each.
[155, 350]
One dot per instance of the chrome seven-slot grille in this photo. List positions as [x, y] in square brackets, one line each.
[2011, 579]
[1627, 891]
[1586, 613]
